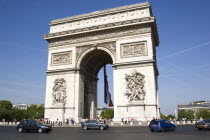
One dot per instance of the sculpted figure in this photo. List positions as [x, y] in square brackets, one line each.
[59, 91]
[135, 86]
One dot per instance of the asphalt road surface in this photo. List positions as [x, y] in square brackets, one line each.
[114, 133]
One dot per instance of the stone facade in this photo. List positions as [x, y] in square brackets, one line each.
[125, 37]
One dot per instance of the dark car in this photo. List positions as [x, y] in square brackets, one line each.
[204, 124]
[161, 125]
[33, 126]
[94, 124]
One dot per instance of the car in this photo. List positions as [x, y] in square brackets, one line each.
[204, 124]
[32, 126]
[161, 125]
[94, 124]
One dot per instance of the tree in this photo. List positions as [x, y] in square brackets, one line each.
[188, 114]
[203, 113]
[4, 104]
[5, 110]
[108, 114]
[163, 116]
[170, 117]
[35, 112]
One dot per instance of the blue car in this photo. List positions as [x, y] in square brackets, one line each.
[161, 125]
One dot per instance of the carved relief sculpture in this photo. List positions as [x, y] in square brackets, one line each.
[109, 45]
[135, 86]
[61, 58]
[59, 91]
[134, 49]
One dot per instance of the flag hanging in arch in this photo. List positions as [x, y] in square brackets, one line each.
[107, 95]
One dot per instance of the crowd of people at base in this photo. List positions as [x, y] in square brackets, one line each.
[128, 120]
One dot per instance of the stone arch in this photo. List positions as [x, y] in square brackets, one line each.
[89, 64]
[92, 48]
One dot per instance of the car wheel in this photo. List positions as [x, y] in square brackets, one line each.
[162, 129]
[102, 127]
[85, 127]
[173, 128]
[40, 130]
[199, 128]
[20, 130]
[151, 130]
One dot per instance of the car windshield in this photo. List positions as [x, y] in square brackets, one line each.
[207, 121]
[154, 122]
[38, 122]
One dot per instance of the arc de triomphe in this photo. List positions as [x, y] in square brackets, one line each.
[125, 37]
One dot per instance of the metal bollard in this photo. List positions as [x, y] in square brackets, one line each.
[121, 123]
[140, 123]
[131, 123]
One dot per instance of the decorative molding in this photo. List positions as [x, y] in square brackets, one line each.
[146, 20]
[111, 46]
[135, 86]
[60, 108]
[101, 17]
[58, 73]
[81, 49]
[133, 49]
[101, 35]
[98, 13]
[132, 65]
[59, 91]
[130, 105]
[61, 58]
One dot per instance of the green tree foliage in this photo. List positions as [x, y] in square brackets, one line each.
[35, 112]
[203, 113]
[188, 114]
[170, 117]
[10, 114]
[4, 104]
[163, 116]
[108, 114]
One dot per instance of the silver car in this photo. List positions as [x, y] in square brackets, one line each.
[94, 124]
[204, 124]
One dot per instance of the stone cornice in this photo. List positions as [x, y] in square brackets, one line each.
[105, 34]
[69, 71]
[59, 107]
[61, 71]
[100, 27]
[133, 64]
[101, 13]
[130, 105]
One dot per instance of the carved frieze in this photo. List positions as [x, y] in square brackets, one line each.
[81, 50]
[61, 58]
[135, 86]
[72, 23]
[110, 46]
[100, 35]
[133, 49]
[59, 91]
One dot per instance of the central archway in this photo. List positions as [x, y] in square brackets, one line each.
[90, 65]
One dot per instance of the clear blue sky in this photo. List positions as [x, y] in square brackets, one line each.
[182, 24]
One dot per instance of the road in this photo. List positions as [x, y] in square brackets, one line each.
[114, 133]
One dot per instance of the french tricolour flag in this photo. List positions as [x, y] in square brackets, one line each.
[107, 95]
